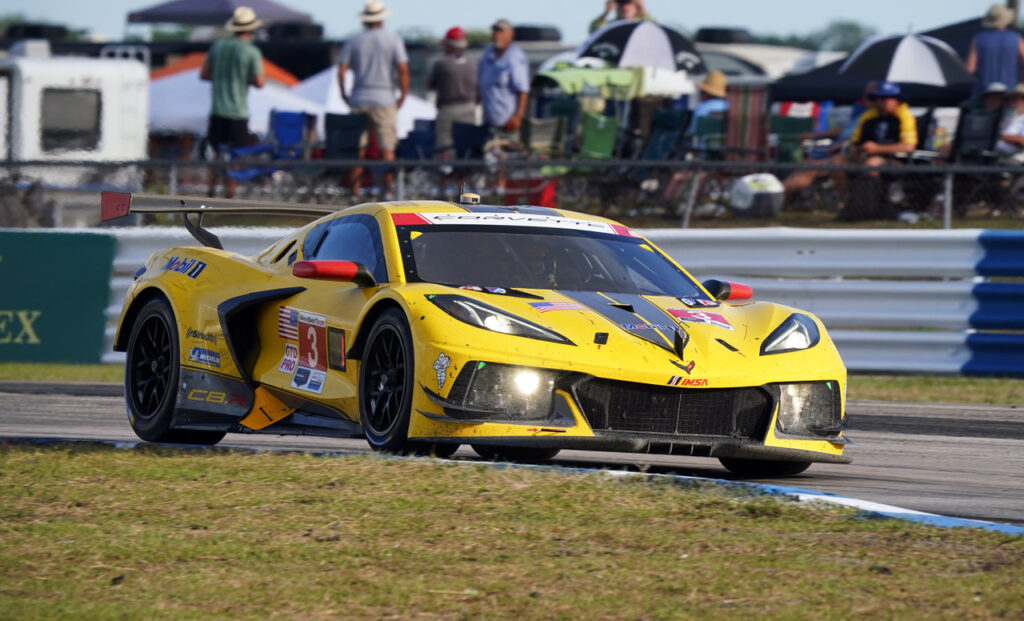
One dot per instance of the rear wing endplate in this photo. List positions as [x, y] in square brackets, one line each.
[118, 204]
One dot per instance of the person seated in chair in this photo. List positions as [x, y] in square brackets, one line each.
[886, 129]
[1011, 137]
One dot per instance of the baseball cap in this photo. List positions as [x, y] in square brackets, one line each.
[886, 89]
[455, 37]
[502, 24]
[995, 87]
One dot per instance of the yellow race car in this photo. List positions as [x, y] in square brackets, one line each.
[425, 325]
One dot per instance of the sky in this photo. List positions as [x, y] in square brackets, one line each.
[571, 16]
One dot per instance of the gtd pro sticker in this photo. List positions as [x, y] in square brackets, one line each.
[312, 341]
[290, 360]
[693, 316]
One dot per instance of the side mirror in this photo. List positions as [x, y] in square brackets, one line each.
[347, 271]
[725, 291]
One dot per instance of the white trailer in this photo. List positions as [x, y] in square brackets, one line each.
[56, 109]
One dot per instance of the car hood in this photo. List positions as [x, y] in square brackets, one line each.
[617, 331]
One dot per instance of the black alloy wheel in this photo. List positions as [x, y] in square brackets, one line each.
[151, 378]
[386, 384]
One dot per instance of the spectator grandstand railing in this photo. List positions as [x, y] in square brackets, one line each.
[680, 191]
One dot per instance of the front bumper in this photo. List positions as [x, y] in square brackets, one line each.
[779, 421]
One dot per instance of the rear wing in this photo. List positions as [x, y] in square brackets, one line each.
[118, 204]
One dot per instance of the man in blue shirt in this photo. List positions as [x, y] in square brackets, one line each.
[996, 52]
[712, 98]
[504, 78]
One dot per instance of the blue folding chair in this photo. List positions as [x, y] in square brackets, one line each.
[288, 138]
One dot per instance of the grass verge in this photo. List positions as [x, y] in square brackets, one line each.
[95, 532]
[930, 388]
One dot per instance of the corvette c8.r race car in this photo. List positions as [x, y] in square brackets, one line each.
[424, 325]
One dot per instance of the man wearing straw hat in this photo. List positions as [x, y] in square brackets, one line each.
[712, 98]
[375, 56]
[232, 65]
[996, 51]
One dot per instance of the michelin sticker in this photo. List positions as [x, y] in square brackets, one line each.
[205, 356]
[441, 366]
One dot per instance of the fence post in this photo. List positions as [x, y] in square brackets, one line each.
[947, 201]
[400, 185]
[172, 184]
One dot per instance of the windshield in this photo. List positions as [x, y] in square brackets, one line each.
[575, 261]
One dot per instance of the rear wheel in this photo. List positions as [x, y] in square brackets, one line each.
[522, 454]
[386, 384]
[151, 378]
[763, 467]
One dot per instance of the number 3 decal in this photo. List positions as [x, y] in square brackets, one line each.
[312, 356]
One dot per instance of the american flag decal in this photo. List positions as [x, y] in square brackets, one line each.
[288, 323]
[543, 307]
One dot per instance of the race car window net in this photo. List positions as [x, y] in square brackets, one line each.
[533, 259]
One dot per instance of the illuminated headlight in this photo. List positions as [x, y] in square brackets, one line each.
[504, 391]
[795, 333]
[811, 408]
[496, 320]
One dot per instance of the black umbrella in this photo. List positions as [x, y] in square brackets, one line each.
[907, 59]
[633, 43]
[214, 12]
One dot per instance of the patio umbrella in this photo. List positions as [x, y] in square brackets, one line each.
[632, 43]
[214, 12]
[907, 59]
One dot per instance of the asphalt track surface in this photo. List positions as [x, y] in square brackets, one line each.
[958, 460]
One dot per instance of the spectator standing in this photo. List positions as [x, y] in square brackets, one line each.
[454, 77]
[624, 9]
[504, 80]
[375, 57]
[996, 51]
[232, 66]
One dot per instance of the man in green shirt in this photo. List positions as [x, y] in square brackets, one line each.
[232, 65]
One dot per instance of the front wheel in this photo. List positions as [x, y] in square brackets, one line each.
[763, 467]
[386, 383]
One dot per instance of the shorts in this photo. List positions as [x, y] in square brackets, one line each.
[448, 115]
[383, 121]
[225, 134]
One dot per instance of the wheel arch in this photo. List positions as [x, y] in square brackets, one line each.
[131, 314]
[355, 352]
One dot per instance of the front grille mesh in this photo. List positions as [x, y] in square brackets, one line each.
[641, 408]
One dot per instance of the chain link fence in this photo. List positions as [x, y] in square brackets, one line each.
[656, 193]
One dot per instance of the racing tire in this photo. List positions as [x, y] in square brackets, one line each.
[151, 373]
[763, 467]
[386, 382]
[518, 454]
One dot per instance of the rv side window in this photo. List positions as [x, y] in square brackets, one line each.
[70, 119]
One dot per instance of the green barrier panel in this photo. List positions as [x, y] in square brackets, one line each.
[54, 290]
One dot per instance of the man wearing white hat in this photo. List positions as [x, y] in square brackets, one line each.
[375, 56]
[997, 51]
[233, 64]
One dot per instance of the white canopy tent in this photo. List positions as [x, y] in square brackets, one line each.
[322, 89]
[181, 103]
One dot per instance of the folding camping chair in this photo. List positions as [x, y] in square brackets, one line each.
[290, 137]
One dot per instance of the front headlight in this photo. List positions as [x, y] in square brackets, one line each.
[496, 320]
[797, 332]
